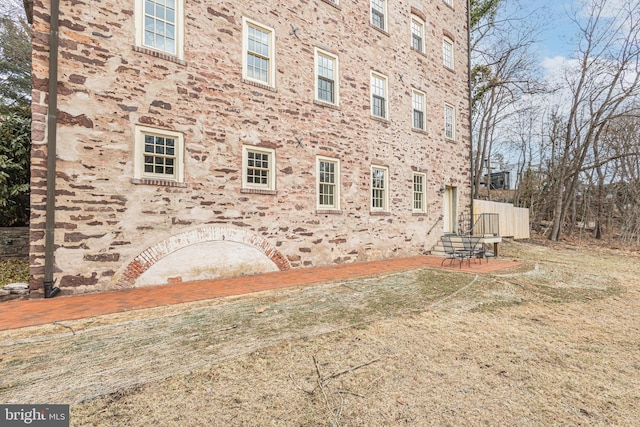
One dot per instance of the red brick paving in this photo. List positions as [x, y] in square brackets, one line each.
[20, 314]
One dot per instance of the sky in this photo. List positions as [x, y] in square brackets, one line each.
[552, 18]
[553, 46]
[557, 29]
[556, 39]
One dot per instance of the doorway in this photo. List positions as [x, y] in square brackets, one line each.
[450, 210]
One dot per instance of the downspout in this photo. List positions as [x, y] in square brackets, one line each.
[52, 120]
[470, 114]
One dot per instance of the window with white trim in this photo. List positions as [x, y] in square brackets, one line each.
[258, 52]
[417, 33]
[419, 192]
[258, 168]
[418, 104]
[379, 95]
[379, 14]
[449, 121]
[326, 73]
[379, 188]
[328, 183]
[159, 154]
[160, 25]
[447, 52]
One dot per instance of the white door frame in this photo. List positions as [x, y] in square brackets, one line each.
[450, 209]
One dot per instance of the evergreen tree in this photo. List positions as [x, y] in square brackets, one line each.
[15, 118]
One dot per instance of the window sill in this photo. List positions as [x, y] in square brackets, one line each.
[331, 3]
[418, 130]
[158, 182]
[260, 85]
[449, 69]
[159, 54]
[449, 139]
[326, 104]
[418, 214]
[328, 212]
[380, 213]
[383, 31]
[258, 191]
[381, 119]
[419, 52]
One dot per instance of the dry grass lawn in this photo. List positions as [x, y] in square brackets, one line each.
[554, 343]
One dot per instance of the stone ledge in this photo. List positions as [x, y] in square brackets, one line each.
[17, 288]
[14, 291]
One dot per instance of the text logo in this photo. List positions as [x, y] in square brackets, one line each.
[34, 415]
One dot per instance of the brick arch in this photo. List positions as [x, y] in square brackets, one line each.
[143, 261]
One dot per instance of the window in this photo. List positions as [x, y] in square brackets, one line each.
[447, 52]
[326, 77]
[258, 58]
[259, 169]
[449, 121]
[158, 154]
[379, 188]
[417, 33]
[417, 99]
[379, 13]
[160, 26]
[419, 193]
[328, 183]
[379, 95]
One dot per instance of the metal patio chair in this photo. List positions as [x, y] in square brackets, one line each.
[471, 249]
[452, 254]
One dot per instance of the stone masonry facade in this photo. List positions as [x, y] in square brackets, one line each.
[115, 222]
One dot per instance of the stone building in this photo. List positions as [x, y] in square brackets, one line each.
[200, 139]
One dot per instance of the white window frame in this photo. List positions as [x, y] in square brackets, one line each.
[379, 91]
[448, 58]
[419, 192]
[375, 189]
[417, 24]
[336, 75]
[449, 121]
[270, 57]
[178, 51]
[139, 172]
[379, 6]
[420, 96]
[336, 184]
[271, 170]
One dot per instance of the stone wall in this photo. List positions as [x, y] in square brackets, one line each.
[14, 242]
[108, 224]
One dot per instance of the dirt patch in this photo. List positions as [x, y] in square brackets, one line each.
[555, 342]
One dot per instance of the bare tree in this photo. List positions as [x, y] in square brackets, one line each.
[528, 137]
[603, 81]
[621, 191]
[502, 74]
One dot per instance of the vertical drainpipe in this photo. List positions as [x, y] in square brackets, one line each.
[52, 120]
[470, 112]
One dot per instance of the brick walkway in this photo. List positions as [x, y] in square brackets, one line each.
[20, 314]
